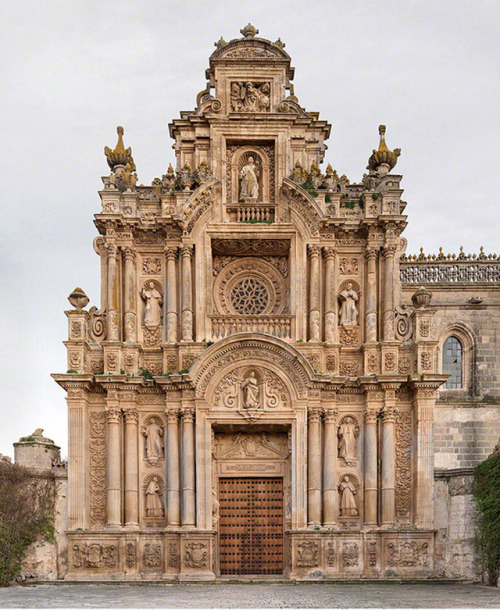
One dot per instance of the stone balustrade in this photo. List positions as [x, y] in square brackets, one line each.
[450, 272]
[252, 213]
[278, 326]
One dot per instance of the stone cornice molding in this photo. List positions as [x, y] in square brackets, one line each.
[72, 381]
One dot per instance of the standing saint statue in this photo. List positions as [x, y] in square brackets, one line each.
[249, 189]
[154, 301]
[250, 389]
[347, 489]
[154, 443]
[154, 505]
[347, 438]
[348, 311]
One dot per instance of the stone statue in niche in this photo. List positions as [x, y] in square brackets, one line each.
[250, 97]
[154, 301]
[347, 490]
[249, 190]
[348, 310]
[215, 509]
[347, 432]
[154, 442]
[251, 393]
[154, 504]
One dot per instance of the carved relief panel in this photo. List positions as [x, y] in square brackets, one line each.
[252, 392]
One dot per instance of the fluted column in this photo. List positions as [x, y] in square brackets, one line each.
[187, 293]
[330, 492]
[188, 466]
[314, 292]
[389, 252]
[131, 468]
[112, 305]
[330, 297]
[130, 324]
[423, 405]
[171, 300]
[388, 458]
[113, 498]
[371, 295]
[370, 466]
[314, 467]
[173, 485]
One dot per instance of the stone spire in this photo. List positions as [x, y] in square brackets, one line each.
[383, 159]
[120, 155]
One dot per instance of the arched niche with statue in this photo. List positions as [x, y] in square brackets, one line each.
[250, 174]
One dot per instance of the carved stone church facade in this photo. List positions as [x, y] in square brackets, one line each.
[260, 390]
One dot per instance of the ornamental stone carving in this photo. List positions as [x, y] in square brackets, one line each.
[308, 554]
[251, 391]
[152, 555]
[95, 555]
[250, 97]
[151, 265]
[348, 265]
[403, 466]
[196, 555]
[97, 450]
[250, 286]
[405, 554]
[131, 556]
[350, 554]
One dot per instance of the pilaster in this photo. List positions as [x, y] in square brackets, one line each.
[330, 492]
[314, 467]
[314, 253]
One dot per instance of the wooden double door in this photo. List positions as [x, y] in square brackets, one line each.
[251, 525]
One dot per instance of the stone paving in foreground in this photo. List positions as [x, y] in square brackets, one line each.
[314, 595]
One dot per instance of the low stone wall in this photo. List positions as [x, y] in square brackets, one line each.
[454, 516]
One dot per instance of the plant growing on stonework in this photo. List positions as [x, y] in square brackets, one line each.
[146, 373]
[328, 198]
[310, 189]
[26, 513]
[183, 372]
[487, 496]
[375, 196]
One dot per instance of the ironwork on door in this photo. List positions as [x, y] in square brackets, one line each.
[251, 525]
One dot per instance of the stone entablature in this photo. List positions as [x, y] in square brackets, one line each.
[258, 318]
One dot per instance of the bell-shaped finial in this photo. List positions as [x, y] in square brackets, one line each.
[383, 159]
[120, 155]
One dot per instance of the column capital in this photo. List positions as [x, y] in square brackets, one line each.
[314, 415]
[172, 415]
[371, 253]
[187, 250]
[113, 415]
[389, 251]
[371, 416]
[129, 253]
[313, 250]
[330, 415]
[131, 415]
[188, 414]
[389, 415]
[329, 252]
[112, 250]
[171, 252]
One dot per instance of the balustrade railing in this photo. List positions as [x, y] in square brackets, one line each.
[256, 213]
[278, 326]
[450, 269]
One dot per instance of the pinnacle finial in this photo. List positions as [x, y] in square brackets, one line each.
[120, 155]
[249, 31]
[383, 159]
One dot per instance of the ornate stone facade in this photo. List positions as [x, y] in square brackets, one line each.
[260, 322]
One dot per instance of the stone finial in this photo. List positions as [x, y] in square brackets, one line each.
[220, 43]
[249, 31]
[278, 43]
[383, 159]
[78, 298]
[120, 155]
[421, 298]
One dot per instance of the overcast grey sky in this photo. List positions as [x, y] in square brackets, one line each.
[74, 70]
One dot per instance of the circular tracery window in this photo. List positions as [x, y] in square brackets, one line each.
[249, 296]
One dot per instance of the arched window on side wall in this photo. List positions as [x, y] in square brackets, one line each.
[452, 362]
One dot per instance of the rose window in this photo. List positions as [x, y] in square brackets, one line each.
[249, 296]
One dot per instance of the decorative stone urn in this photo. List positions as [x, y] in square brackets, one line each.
[421, 298]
